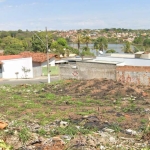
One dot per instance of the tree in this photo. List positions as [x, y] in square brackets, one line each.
[73, 50]
[146, 44]
[57, 48]
[27, 43]
[86, 52]
[138, 40]
[86, 40]
[112, 40]
[127, 48]
[68, 39]
[13, 33]
[60, 46]
[60, 50]
[79, 40]
[37, 45]
[20, 31]
[39, 41]
[101, 44]
[62, 41]
[13, 49]
[4, 34]
[137, 49]
[12, 45]
[111, 51]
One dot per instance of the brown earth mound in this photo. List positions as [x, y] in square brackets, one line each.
[99, 89]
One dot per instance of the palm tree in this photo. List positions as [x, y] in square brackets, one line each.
[86, 52]
[101, 44]
[127, 48]
[79, 39]
[86, 40]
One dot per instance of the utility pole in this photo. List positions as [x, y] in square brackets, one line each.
[47, 51]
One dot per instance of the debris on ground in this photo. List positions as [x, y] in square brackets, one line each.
[75, 114]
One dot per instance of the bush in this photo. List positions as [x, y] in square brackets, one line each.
[111, 51]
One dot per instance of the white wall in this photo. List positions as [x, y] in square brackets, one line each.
[51, 62]
[10, 67]
[145, 56]
[37, 69]
[127, 61]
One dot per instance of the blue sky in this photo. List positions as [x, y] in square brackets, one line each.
[74, 14]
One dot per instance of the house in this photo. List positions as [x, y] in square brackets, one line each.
[15, 66]
[39, 60]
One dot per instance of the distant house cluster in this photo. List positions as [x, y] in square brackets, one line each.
[124, 35]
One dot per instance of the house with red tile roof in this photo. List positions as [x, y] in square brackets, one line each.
[15, 66]
[39, 60]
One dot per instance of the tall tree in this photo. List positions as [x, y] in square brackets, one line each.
[86, 40]
[101, 44]
[86, 52]
[127, 48]
[39, 41]
[146, 44]
[79, 40]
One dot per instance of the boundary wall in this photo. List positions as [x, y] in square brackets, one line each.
[88, 70]
[133, 74]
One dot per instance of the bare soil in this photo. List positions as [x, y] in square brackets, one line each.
[118, 105]
[101, 89]
[91, 104]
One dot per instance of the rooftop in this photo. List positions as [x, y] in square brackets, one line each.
[37, 57]
[103, 61]
[77, 58]
[8, 57]
[118, 55]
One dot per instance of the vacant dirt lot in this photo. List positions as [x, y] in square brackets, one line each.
[84, 114]
[100, 89]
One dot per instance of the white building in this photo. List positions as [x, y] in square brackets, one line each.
[15, 66]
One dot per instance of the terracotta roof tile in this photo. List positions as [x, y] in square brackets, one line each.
[36, 57]
[8, 57]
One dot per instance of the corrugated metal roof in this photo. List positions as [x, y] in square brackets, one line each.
[61, 61]
[103, 61]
